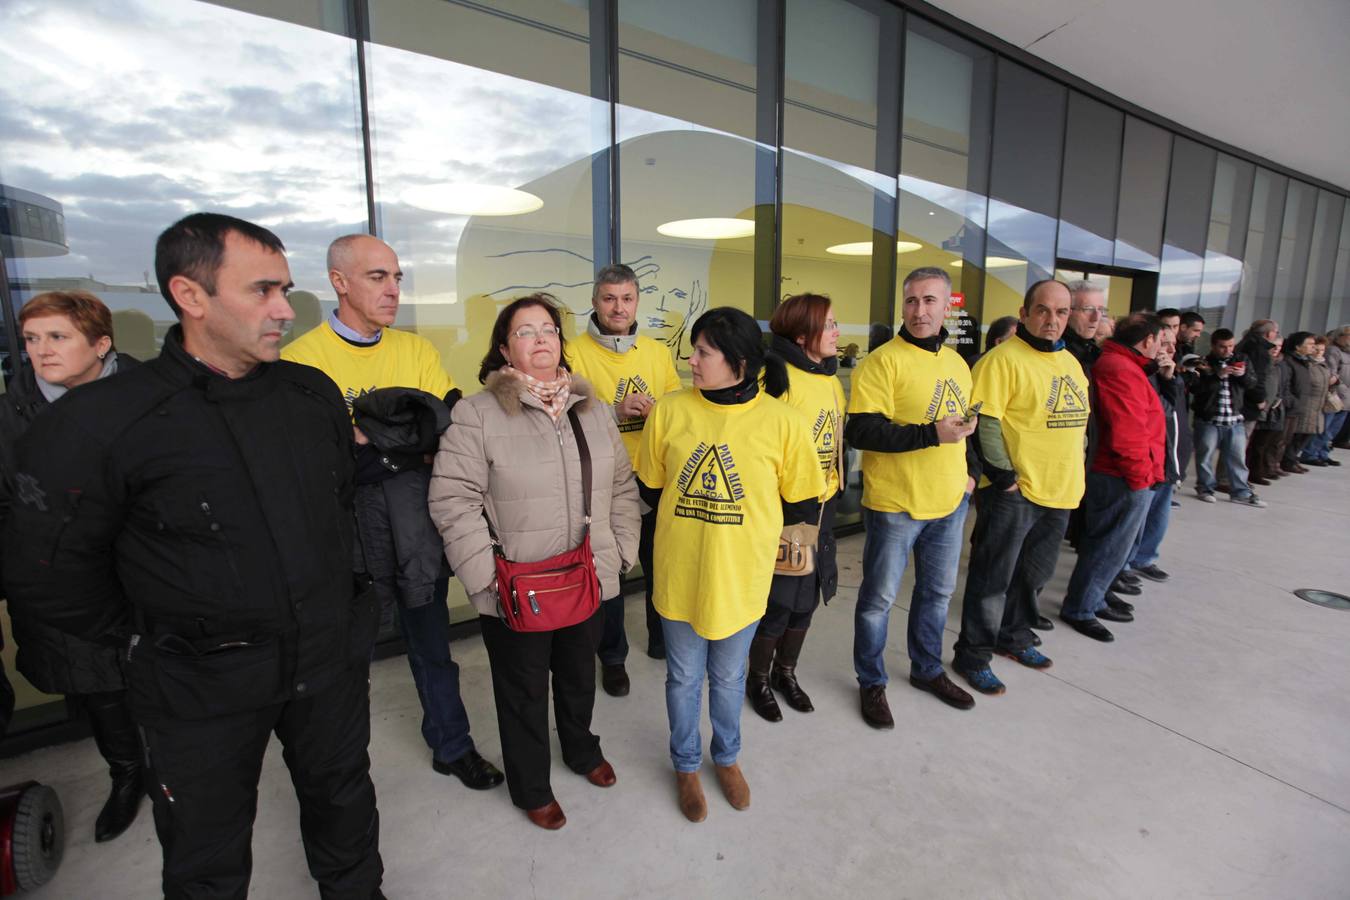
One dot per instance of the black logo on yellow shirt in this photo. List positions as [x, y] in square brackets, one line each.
[823, 433]
[709, 487]
[947, 401]
[1067, 405]
[351, 394]
[634, 384]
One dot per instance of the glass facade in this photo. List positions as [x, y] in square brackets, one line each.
[731, 151]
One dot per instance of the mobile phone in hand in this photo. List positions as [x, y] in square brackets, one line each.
[973, 412]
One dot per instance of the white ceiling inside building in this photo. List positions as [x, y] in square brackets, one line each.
[1272, 79]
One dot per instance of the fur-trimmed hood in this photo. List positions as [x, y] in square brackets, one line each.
[510, 390]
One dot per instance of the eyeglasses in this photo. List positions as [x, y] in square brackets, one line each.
[529, 332]
[1097, 310]
[831, 325]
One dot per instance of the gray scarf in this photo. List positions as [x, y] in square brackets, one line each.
[53, 392]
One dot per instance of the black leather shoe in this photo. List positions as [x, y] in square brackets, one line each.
[1043, 624]
[1118, 604]
[1123, 587]
[1129, 578]
[1330, 462]
[476, 773]
[1153, 573]
[1111, 614]
[1091, 628]
[614, 679]
[945, 690]
[1035, 639]
[124, 800]
[875, 710]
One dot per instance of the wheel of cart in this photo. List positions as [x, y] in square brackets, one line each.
[32, 836]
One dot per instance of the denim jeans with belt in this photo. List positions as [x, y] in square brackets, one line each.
[689, 657]
[1015, 548]
[936, 545]
[1113, 516]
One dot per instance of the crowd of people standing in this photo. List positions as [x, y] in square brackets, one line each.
[156, 568]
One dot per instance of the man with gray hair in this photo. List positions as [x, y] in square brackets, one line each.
[398, 544]
[630, 372]
[909, 415]
[1086, 310]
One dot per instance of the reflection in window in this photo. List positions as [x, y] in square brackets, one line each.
[830, 185]
[1189, 195]
[1227, 240]
[1144, 162]
[1263, 246]
[182, 107]
[1087, 208]
[1321, 259]
[1024, 186]
[1339, 312]
[1300, 205]
[488, 196]
[944, 164]
[687, 158]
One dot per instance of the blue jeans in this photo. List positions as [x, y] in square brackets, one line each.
[936, 545]
[1112, 516]
[426, 635]
[688, 658]
[1231, 440]
[1151, 533]
[1319, 447]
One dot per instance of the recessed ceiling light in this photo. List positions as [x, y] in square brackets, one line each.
[993, 262]
[708, 229]
[472, 199]
[864, 248]
[956, 264]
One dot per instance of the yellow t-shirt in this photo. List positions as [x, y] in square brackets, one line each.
[646, 369]
[400, 359]
[913, 386]
[1041, 400]
[821, 398]
[722, 471]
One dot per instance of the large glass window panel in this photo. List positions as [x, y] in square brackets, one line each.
[1263, 247]
[1091, 179]
[1023, 185]
[944, 163]
[1339, 312]
[830, 182]
[1189, 191]
[120, 118]
[1300, 207]
[483, 132]
[1321, 261]
[1146, 156]
[688, 162]
[1227, 239]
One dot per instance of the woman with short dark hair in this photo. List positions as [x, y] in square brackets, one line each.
[68, 336]
[725, 465]
[805, 338]
[510, 479]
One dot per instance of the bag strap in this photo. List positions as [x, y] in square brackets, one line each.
[584, 451]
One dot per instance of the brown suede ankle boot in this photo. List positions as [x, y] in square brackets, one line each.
[733, 785]
[692, 802]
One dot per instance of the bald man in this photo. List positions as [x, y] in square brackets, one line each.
[399, 546]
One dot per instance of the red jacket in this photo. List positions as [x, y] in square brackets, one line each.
[1131, 428]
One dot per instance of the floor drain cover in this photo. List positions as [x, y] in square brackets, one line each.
[1324, 598]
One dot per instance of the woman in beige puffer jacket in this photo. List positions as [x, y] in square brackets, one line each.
[510, 451]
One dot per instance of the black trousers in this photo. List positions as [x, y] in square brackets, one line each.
[1015, 547]
[521, 662]
[613, 649]
[203, 780]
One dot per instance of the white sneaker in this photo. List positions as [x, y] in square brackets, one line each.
[1204, 497]
[1249, 500]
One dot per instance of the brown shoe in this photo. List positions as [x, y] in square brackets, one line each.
[733, 785]
[945, 690]
[550, 817]
[875, 710]
[1257, 479]
[692, 803]
[602, 775]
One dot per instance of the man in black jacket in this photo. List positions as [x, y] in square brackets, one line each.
[1218, 396]
[1087, 309]
[198, 511]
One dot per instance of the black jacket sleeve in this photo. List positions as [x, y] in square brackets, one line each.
[873, 431]
[68, 511]
[807, 510]
[650, 496]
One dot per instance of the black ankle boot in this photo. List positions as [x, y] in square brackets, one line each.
[784, 676]
[120, 744]
[757, 678]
